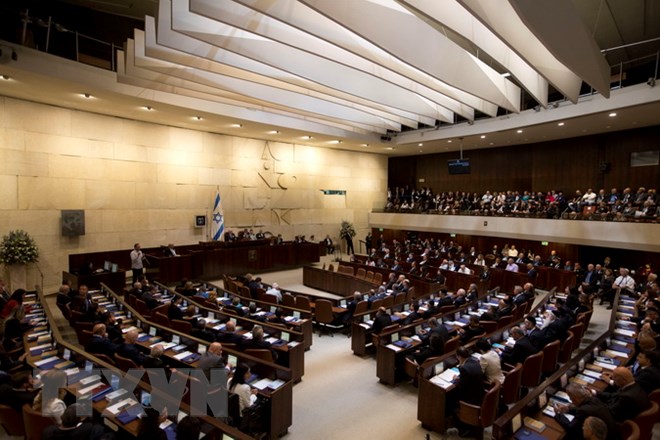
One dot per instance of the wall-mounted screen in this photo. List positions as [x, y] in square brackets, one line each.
[459, 166]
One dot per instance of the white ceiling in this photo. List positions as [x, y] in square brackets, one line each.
[371, 75]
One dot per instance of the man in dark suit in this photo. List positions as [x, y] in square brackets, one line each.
[431, 310]
[414, 314]
[471, 330]
[211, 359]
[258, 342]
[584, 405]
[555, 330]
[129, 350]
[646, 371]
[229, 335]
[18, 391]
[200, 331]
[629, 400]
[382, 320]
[100, 342]
[520, 350]
[154, 360]
[469, 385]
[112, 327]
[490, 314]
[173, 311]
[532, 331]
[444, 299]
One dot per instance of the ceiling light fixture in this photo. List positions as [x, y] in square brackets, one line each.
[87, 96]
[5, 77]
[483, 136]
[420, 144]
[449, 141]
[519, 131]
[364, 145]
[561, 124]
[148, 108]
[613, 114]
[506, 75]
[237, 125]
[197, 118]
[274, 132]
[390, 148]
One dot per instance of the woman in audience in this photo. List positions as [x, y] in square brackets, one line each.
[480, 261]
[52, 406]
[13, 309]
[246, 395]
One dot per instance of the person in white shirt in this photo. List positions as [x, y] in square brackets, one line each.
[624, 281]
[589, 198]
[511, 265]
[489, 361]
[480, 260]
[275, 291]
[246, 395]
[137, 262]
[464, 269]
[513, 252]
[52, 404]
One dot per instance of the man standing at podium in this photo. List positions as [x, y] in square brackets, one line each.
[137, 262]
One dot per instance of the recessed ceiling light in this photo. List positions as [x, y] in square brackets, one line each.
[148, 108]
[389, 148]
[237, 125]
[86, 95]
[334, 142]
[449, 141]
[274, 132]
[506, 75]
[613, 114]
[561, 124]
[197, 118]
[307, 137]
[364, 145]
[483, 136]
[420, 144]
[518, 131]
[5, 77]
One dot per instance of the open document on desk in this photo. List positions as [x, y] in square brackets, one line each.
[445, 379]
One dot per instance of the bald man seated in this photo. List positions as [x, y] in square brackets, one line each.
[129, 350]
[628, 400]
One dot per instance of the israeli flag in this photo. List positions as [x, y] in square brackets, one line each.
[218, 220]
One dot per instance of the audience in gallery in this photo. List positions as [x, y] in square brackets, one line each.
[611, 206]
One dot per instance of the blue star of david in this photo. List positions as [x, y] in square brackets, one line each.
[217, 218]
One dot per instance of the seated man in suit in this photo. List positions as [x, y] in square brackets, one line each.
[554, 328]
[18, 391]
[174, 311]
[129, 350]
[100, 343]
[646, 371]
[490, 314]
[258, 341]
[74, 426]
[532, 331]
[521, 349]
[154, 360]
[471, 330]
[229, 335]
[112, 327]
[584, 405]
[149, 297]
[211, 359]
[169, 251]
[432, 309]
[469, 386]
[414, 314]
[629, 400]
[200, 331]
[382, 320]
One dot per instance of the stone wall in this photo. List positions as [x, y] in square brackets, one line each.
[144, 182]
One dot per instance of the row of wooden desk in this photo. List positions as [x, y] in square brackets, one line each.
[73, 361]
[280, 398]
[291, 354]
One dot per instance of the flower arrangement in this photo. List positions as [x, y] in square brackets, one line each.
[347, 230]
[18, 247]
